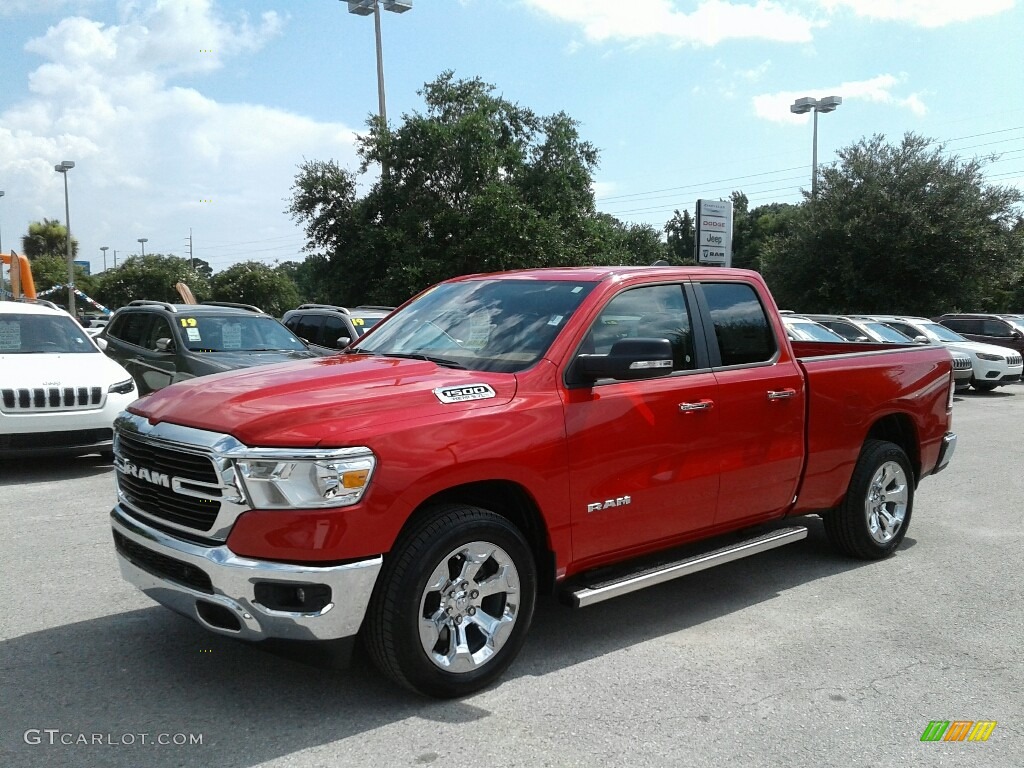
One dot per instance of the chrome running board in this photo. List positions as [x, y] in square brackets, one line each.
[590, 594]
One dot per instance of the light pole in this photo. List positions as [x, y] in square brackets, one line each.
[63, 168]
[143, 240]
[104, 248]
[805, 105]
[2, 193]
[365, 8]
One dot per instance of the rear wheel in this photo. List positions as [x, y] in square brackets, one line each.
[873, 518]
[454, 602]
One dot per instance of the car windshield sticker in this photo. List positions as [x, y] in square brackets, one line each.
[555, 320]
[357, 321]
[465, 392]
[479, 330]
[188, 322]
[193, 334]
[231, 335]
[10, 335]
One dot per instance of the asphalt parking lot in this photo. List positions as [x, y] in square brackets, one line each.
[797, 657]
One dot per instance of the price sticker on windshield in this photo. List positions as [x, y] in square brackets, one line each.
[188, 322]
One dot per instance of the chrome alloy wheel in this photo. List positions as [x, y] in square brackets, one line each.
[886, 501]
[469, 606]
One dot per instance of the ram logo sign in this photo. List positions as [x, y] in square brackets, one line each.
[148, 475]
[597, 506]
[464, 392]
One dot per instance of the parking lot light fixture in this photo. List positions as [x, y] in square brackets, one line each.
[104, 248]
[63, 167]
[143, 241]
[803, 106]
[365, 8]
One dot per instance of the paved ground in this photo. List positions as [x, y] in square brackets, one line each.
[794, 658]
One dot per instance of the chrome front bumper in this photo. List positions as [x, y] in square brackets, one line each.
[161, 565]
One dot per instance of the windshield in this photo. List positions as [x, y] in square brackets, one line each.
[237, 333]
[25, 334]
[940, 332]
[363, 323]
[806, 330]
[885, 333]
[481, 325]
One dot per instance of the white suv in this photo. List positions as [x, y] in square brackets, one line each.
[993, 366]
[58, 393]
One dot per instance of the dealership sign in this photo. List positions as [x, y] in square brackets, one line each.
[714, 232]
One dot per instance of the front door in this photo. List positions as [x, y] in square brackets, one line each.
[643, 468]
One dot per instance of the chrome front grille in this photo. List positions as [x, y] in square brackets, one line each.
[51, 399]
[153, 463]
[1014, 359]
[961, 363]
[177, 478]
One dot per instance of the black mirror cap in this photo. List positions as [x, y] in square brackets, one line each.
[628, 360]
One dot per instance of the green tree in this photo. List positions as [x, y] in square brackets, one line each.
[47, 238]
[680, 231]
[151, 277]
[899, 228]
[251, 282]
[474, 183]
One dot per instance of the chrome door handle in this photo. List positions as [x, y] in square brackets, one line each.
[781, 394]
[700, 405]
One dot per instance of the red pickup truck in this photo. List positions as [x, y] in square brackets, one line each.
[587, 432]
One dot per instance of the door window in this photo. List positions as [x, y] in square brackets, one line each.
[334, 328]
[131, 328]
[654, 312]
[741, 324]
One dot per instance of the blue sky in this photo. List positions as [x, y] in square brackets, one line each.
[193, 114]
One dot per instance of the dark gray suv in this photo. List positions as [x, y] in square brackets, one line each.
[161, 343]
[331, 327]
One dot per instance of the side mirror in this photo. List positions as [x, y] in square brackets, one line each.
[101, 343]
[165, 345]
[628, 360]
[921, 339]
[342, 342]
[1017, 335]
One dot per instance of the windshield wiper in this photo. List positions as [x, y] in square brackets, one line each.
[443, 362]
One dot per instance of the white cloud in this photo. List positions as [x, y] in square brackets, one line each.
[924, 13]
[149, 154]
[712, 22]
[774, 107]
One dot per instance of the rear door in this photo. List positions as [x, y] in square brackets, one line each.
[643, 468]
[760, 403]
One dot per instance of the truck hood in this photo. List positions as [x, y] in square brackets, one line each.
[329, 401]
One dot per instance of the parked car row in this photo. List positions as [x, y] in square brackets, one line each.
[990, 365]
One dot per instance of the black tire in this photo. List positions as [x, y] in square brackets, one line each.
[983, 386]
[447, 543]
[881, 493]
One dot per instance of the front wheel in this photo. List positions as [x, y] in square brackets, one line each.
[454, 602]
[873, 518]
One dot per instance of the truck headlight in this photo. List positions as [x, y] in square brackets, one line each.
[305, 479]
[991, 358]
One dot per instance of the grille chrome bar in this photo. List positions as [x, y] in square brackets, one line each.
[51, 399]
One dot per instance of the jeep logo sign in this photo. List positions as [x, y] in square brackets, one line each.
[465, 392]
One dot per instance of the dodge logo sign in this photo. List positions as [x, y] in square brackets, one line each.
[464, 393]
